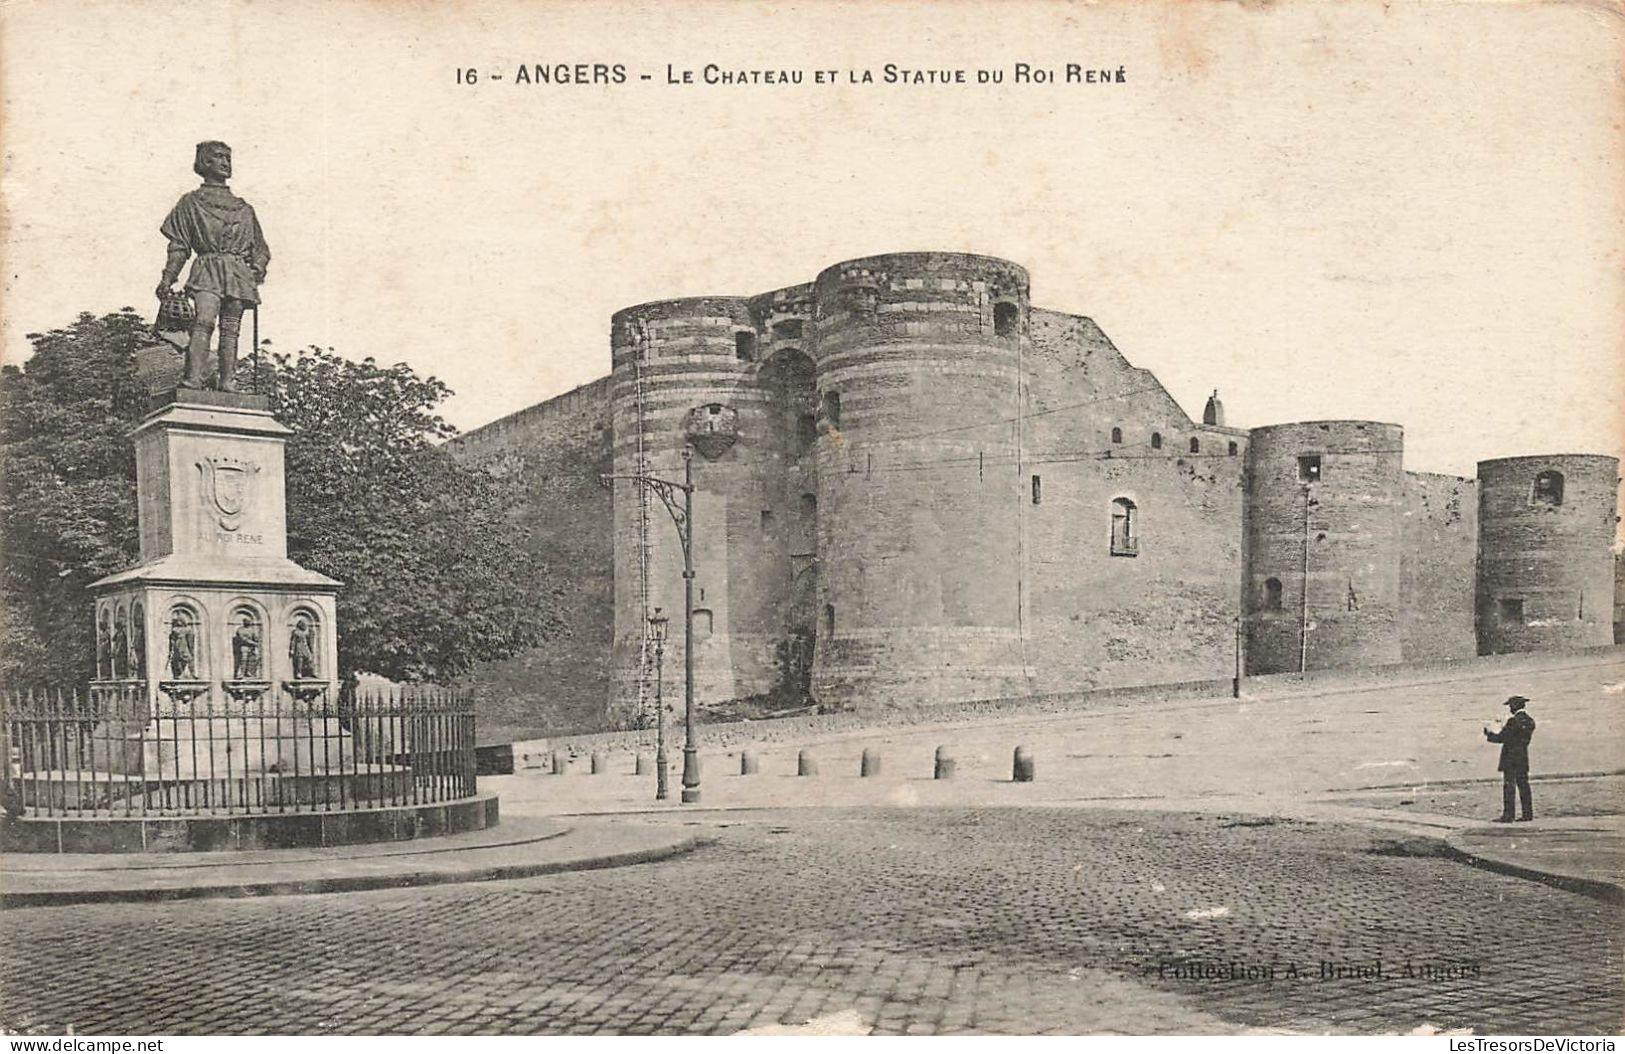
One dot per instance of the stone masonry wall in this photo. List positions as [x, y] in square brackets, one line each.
[1439, 540]
[555, 452]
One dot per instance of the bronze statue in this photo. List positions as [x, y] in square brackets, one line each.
[302, 649]
[245, 650]
[182, 647]
[232, 256]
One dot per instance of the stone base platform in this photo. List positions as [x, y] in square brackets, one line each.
[113, 832]
[259, 792]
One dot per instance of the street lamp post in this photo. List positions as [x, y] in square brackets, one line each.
[657, 631]
[1235, 682]
[682, 516]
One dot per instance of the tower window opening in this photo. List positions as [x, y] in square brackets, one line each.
[1233, 448]
[767, 520]
[1272, 594]
[1038, 490]
[703, 623]
[1548, 488]
[829, 620]
[745, 346]
[1006, 316]
[832, 409]
[789, 329]
[1511, 609]
[1309, 468]
[806, 432]
[1117, 435]
[1125, 528]
[1156, 440]
[1196, 445]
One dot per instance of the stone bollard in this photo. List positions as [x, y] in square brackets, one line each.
[1022, 770]
[870, 766]
[943, 768]
[641, 765]
[748, 763]
[558, 763]
[806, 764]
[599, 763]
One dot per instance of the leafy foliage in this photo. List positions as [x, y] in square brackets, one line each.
[437, 574]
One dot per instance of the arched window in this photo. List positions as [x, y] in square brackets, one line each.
[744, 345]
[183, 655]
[1006, 317]
[1196, 445]
[832, 409]
[1156, 440]
[1548, 488]
[305, 645]
[247, 632]
[1272, 594]
[1117, 435]
[1125, 527]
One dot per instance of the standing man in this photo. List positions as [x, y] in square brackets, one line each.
[1514, 738]
[232, 256]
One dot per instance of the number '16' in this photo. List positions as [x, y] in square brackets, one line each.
[468, 76]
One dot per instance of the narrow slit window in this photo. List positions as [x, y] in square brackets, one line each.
[1234, 449]
[1272, 594]
[1196, 445]
[1038, 490]
[1156, 440]
[1117, 435]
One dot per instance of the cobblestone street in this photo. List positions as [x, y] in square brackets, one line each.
[920, 921]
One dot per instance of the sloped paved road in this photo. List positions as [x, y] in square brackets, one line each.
[923, 921]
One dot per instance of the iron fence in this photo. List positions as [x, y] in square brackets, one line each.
[112, 750]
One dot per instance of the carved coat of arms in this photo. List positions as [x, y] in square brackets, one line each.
[226, 488]
[712, 429]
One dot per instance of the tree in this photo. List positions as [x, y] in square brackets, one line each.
[437, 576]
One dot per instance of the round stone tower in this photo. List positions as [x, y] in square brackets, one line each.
[678, 367]
[1323, 520]
[1546, 529]
[918, 360]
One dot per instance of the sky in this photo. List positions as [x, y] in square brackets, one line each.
[1400, 212]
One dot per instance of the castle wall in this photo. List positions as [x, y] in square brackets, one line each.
[1323, 575]
[1439, 545]
[918, 487]
[553, 453]
[1102, 614]
[1546, 568]
[914, 488]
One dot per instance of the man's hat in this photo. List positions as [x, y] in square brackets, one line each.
[1517, 702]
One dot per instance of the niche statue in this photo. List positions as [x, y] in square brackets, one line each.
[223, 232]
[302, 649]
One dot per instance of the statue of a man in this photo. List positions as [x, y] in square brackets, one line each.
[182, 648]
[232, 256]
[302, 649]
[245, 651]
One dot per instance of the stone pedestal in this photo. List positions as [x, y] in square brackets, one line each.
[216, 625]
